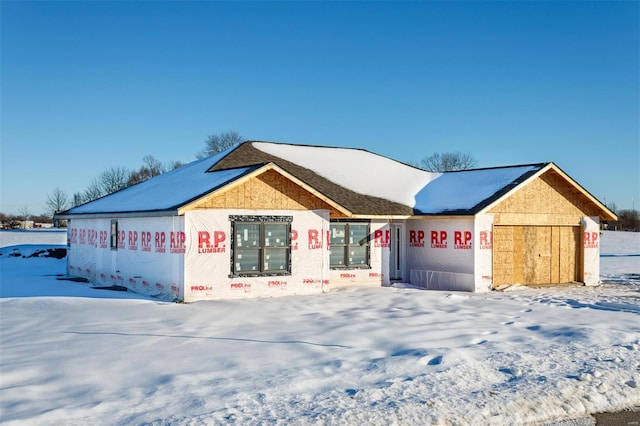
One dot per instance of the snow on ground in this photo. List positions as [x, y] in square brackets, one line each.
[74, 355]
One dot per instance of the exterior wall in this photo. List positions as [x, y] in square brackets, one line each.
[549, 201]
[591, 250]
[83, 246]
[440, 253]
[483, 252]
[378, 273]
[208, 263]
[148, 259]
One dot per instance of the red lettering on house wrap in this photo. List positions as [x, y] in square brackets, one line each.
[82, 236]
[195, 288]
[590, 240]
[314, 239]
[160, 239]
[294, 239]
[282, 285]
[416, 238]
[92, 237]
[121, 238]
[439, 239]
[145, 241]
[205, 245]
[486, 240]
[381, 238]
[133, 240]
[246, 287]
[103, 238]
[462, 240]
[176, 242]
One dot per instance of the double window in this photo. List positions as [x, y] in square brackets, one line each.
[261, 245]
[349, 245]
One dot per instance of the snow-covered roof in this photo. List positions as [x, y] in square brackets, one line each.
[363, 182]
[167, 191]
[466, 192]
[357, 169]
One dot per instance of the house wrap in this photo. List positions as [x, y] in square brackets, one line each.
[267, 219]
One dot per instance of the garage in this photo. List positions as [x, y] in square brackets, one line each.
[536, 255]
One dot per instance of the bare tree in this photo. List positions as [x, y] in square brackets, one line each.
[92, 192]
[154, 165]
[9, 221]
[151, 167]
[114, 179]
[219, 143]
[78, 198]
[447, 162]
[176, 165]
[24, 214]
[628, 220]
[57, 201]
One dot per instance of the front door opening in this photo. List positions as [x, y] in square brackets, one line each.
[396, 255]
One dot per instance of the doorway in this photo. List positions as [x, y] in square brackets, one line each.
[396, 252]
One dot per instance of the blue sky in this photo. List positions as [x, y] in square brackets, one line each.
[86, 86]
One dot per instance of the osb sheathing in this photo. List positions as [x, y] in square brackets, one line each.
[547, 200]
[534, 255]
[268, 191]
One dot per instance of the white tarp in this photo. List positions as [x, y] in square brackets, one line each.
[208, 257]
[591, 244]
[440, 253]
[148, 258]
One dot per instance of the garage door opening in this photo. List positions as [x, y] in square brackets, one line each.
[536, 255]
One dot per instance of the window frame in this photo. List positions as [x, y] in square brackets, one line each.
[261, 248]
[345, 247]
[113, 234]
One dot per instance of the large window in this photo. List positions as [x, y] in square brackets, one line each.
[261, 245]
[349, 245]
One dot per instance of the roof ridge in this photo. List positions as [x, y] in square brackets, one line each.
[541, 165]
[342, 147]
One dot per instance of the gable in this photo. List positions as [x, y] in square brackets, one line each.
[548, 199]
[357, 203]
[268, 190]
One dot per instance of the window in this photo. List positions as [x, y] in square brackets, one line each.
[261, 245]
[113, 241]
[349, 245]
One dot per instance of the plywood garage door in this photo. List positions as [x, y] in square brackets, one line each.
[533, 255]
